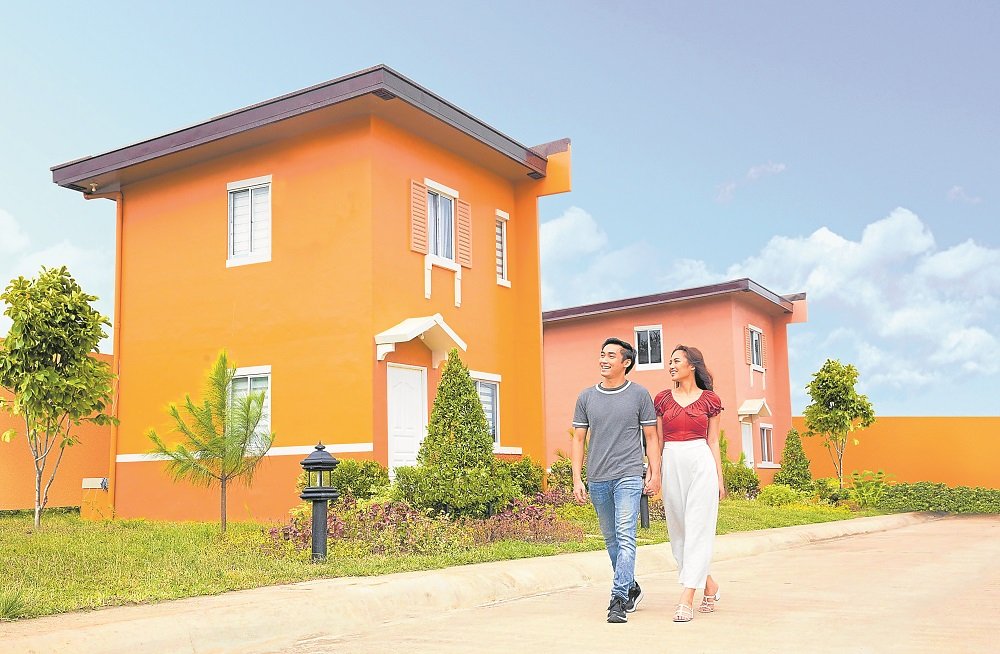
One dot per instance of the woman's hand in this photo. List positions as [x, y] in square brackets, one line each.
[722, 488]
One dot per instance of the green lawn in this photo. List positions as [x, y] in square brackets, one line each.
[72, 564]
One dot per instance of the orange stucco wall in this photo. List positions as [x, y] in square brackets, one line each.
[958, 451]
[88, 458]
[714, 325]
[341, 271]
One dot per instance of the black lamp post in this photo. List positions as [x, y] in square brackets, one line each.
[319, 490]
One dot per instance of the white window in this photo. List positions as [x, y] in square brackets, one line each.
[501, 248]
[488, 388]
[756, 348]
[256, 379]
[441, 224]
[249, 221]
[766, 444]
[649, 347]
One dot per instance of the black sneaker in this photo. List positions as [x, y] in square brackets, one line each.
[635, 596]
[616, 612]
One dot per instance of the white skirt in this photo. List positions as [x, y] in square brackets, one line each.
[691, 502]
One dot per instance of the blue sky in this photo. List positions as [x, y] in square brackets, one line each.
[848, 150]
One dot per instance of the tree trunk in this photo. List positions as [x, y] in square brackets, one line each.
[38, 498]
[223, 508]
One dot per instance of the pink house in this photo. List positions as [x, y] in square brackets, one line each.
[740, 327]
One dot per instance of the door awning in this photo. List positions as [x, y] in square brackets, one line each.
[757, 408]
[432, 330]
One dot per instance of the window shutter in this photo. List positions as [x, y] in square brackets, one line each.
[463, 254]
[418, 217]
[746, 345]
[763, 351]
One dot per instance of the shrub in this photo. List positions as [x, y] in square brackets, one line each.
[929, 496]
[524, 520]
[867, 487]
[779, 495]
[794, 464]
[12, 604]
[656, 509]
[526, 475]
[457, 473]
[828, 489]
[740, 480]
[561, 473]
[362, 479]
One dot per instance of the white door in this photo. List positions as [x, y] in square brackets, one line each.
[748, 442]
[406, 388]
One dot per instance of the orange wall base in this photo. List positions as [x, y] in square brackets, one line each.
[954, 451]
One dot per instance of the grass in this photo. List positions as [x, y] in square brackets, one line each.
[70, 564]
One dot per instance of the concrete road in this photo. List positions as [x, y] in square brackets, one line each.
[931, 587]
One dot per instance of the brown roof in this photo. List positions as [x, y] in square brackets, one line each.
[380, 81]
[784, 302]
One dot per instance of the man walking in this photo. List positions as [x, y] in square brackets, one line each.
[619, 416]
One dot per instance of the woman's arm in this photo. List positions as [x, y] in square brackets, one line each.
[713, 444]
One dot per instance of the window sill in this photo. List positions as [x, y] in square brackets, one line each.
[767, 465]
[503, 282]
[757, 368]
[442, 262]
[246, 261]
[649, 366]
[502, 449]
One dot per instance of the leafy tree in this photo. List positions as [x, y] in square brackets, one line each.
[52, 382]
[457, 472]
[794, 471]
[221, 439]
[837, 410]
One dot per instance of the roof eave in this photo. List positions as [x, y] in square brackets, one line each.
[379, 80]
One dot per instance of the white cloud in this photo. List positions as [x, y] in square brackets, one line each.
[907, 313]
[958, 194]
[763, 170]
[12, 237]
[726, 190]
[572, 234]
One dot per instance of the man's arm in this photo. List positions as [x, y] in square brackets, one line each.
[653, 457]
[579, 436]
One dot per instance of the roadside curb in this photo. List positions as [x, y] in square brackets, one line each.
[275, 617]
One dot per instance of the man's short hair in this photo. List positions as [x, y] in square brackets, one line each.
[628, 352]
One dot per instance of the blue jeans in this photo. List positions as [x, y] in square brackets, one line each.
[617, 504]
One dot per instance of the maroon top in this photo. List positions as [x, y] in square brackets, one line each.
[686, 423]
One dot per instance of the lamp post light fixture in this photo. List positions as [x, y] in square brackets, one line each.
[319, 490]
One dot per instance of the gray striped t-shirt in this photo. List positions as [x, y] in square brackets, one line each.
[615, 418]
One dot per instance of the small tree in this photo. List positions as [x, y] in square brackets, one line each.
[53, 383]
[794, 464]
[837, 410]
[221, 441]
[457, 472]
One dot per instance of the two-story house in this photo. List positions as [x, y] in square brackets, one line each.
[337, 242]
[740, 327]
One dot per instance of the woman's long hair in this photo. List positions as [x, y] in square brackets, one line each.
[702, 377]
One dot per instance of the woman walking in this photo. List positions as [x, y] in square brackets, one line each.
[688, 422]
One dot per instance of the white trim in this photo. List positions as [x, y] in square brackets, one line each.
[252, 370]
[431, 260]
[247, 183]
[767, 465]
[506, 449]
[503, 279]
[485, 376]
[432, 330]
[440, 188]
[503, 282]
[503, 214]
[761, 426]
[291, 450]
[617, 390]
[244, 261]
[95, 483]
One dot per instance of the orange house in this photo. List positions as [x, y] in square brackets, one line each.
[739, 326]
[337, 242]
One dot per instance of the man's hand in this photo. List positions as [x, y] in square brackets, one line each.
[579, 491]
[652, 486]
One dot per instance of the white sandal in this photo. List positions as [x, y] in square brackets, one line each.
[683, 613]
[708, 602]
